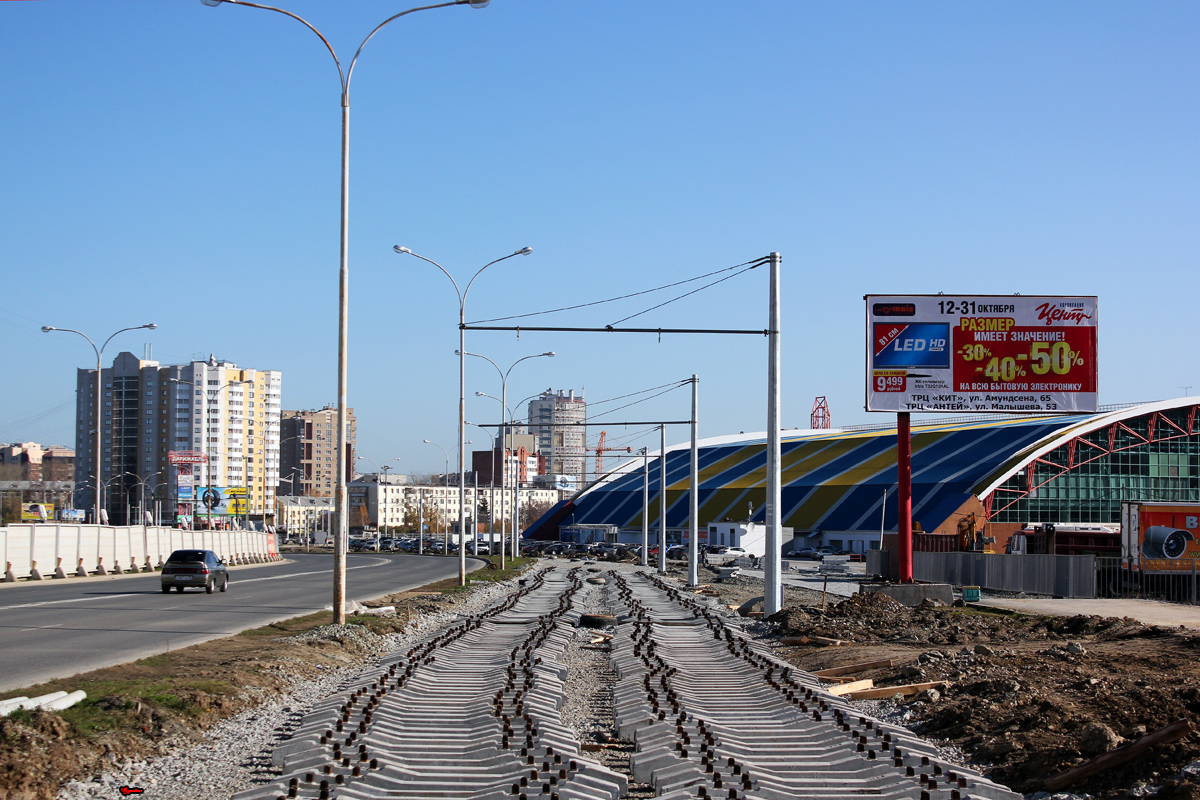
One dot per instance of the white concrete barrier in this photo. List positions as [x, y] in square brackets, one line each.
[59, 549]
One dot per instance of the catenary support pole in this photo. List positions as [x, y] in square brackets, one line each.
[662, 500]
[904, 543]
[773, 589]
[645, 560]
[694, 490]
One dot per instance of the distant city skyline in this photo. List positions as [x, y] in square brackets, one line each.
[180, 164]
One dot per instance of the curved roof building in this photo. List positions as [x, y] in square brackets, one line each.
[1010, 471]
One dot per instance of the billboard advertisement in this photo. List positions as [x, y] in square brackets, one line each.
[1020, 354]
[37, 512]
[1164, 537]
[221, 501]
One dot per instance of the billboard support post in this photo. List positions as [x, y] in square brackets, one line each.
[904, 495]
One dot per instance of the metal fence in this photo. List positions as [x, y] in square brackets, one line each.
[1058, 576]
[1166, 580]
[1171, 580]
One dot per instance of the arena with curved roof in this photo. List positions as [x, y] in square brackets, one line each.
[1008, 471]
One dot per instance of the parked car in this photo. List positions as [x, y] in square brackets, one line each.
[199, 568]
[677, 552]
[853, 555]
[804, 552]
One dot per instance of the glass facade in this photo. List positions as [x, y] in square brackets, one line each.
[1123, 461]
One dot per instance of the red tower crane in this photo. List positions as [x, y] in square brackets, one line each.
[600, 449]
[821, 419]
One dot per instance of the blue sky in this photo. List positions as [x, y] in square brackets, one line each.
[170, 162]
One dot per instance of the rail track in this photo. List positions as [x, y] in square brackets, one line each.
[472, 713]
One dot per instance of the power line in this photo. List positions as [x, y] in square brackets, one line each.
[755, 263]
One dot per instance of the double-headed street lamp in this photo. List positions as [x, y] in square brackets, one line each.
[506, 433]
[340, 501]
[516, 488]
[446, 484]
[99, 408]
[462, 379]
[381, 499]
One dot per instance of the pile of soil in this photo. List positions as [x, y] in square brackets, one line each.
[1027, 696]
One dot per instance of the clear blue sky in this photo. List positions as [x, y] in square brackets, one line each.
[169, 162]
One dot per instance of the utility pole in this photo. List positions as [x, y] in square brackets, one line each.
[772, 578]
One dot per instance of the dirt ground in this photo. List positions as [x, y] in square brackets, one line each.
[1027, 697]
[165, 702]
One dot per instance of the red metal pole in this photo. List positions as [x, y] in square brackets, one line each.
[904, 495]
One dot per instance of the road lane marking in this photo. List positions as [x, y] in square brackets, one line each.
[378, 562]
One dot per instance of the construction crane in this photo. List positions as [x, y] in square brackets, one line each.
[821, 419]
[600, 449]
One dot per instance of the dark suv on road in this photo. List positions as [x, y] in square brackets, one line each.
[199, 568]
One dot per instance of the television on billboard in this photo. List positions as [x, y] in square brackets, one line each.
[1019, 354]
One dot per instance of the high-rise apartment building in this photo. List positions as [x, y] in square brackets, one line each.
[172, 432]
[555, 419]
[308, 458]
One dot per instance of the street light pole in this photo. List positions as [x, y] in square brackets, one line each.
[339, 552]
[516, 467]
[445, 485]
[99, 407]
[504, 437]
[462, 379]
[491, 496]
[380, 500]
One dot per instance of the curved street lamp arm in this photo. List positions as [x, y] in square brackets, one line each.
[493, 363]
[97, 350]
[379, 27]
[522, 252]
[343, 79]
[461, 297]
[150, 326]
[549, 354]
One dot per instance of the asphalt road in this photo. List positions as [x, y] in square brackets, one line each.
[60, 628]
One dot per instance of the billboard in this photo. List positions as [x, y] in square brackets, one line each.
[221, 501]
[1164, 537]
[1017, 354]
[37, 512]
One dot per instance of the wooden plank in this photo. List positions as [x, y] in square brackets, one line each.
[791, 641]
[1126, 752]
[852, 686]
[850, 669]
[889, 691]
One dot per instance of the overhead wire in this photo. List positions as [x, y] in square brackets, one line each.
[680, 297]
[749, 265]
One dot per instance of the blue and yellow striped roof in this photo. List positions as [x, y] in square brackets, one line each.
[832, 480]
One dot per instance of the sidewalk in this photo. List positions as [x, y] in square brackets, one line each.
[840, 585]
[1148, 612]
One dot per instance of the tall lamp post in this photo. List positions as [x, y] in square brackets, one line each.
[506, 437]
[516, 488]
[491, 500]
[381, 500]
[339, 553]
[462, 378]
[99, 408]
